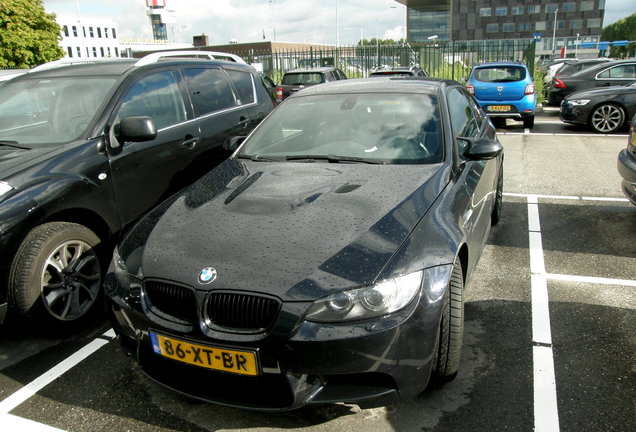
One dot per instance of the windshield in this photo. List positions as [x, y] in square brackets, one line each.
[368, 128]
[500, 74]
[49, 110]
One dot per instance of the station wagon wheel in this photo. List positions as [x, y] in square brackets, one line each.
[450, 337]
[607, 118]
[57, 274]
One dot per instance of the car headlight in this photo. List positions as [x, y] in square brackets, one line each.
[361, 303]
[579, 102]
[123, 276]
[4, 188]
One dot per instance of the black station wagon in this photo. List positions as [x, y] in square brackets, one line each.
[87, 149]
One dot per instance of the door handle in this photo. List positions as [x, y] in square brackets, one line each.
[244, 122]
[190, 143]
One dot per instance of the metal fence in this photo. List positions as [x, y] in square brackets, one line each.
[452, 60]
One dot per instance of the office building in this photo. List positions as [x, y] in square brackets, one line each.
[445, 20]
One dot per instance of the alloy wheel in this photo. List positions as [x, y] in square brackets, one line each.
[607, 118]
[71, 278]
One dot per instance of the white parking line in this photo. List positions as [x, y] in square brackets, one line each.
[12, 423]
[52, 374]
[546, 413]
[566, 197]
[592, 280]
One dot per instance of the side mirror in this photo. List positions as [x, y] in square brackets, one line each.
[233, 143]
[137, 129]
[481, 148]
[464, 80]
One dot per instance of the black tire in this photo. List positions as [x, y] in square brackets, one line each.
[56, 276]
[496, 210]
[607, 118]
[528, 122]
[451, 329]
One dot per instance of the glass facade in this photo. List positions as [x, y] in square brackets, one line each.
[483, 19]
[423, 24]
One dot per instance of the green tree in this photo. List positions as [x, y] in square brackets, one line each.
[624, 29]
[28, 35]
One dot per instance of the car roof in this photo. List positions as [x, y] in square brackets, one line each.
[499, 64]
[113, 67]
[603, 65]
[388, 84]
[312, 69]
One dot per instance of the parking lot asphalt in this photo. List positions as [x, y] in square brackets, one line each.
[549, 333]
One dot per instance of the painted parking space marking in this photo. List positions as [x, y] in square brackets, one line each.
[14, 423]
[499, 132]
[592, 280]
[52, 374]
[546, 413]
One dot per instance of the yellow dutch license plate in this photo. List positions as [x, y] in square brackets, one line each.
[499, 108]
[210, 357]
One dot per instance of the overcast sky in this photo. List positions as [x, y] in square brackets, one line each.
[282, 20]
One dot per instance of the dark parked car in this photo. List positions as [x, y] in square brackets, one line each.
[604, 109]
[399, 71]
[627, 164]
[602, 75]
[321, 262]
[298, 79]
[87, 149]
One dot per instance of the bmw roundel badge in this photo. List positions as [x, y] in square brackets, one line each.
[207, 275]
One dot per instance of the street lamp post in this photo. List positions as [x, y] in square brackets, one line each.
[554, 33]
[576, 47]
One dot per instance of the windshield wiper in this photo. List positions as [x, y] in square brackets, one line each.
[258, 158]
[335, 159]
[13, 144]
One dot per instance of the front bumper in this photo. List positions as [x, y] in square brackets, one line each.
[371, 362]
[626, 166]
[573, 114]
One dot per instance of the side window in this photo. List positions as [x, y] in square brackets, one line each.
[209, 90]
[244, 86]
[462, 114]
[623, 71]
[156, 96]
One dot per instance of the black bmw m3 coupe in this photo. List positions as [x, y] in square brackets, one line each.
[324, 261]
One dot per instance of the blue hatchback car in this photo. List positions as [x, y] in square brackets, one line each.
[504, 90]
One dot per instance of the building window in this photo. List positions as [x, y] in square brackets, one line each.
[575, 24]
[568, 7]
[101, 51]
[516, 10]
[74, 31]
[501, 11]
[106, 32]
[114, 34]
[508, 27]
[109, 54]
[66, 30]
[540, 25]
[116, 52]
[560, 25]
[485, 12]
[524, 26]
[594, 23]
[90, 32]
[550, 8]
[69, 50]
[99, 32]
[94, 51]
[587, 6]
[79, 52]
[492, 28]
[534, 9]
